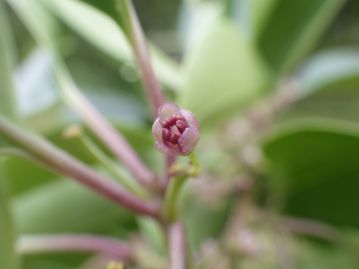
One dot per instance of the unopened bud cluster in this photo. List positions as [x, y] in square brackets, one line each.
[176, 130]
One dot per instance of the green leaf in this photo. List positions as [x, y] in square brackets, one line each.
[103, 32]
[223, 74]
[328, 87]
[64, 206]
[315, 162]
[329, 68]
[153, 234]
[203, 221]
[7, 90]
[39, 102]
[7, 227]
[292, 30]
[35, 18]
[199, 13]
[251, 15]
[313, 255]
[23, 175]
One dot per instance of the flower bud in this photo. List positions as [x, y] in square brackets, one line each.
[176, 130]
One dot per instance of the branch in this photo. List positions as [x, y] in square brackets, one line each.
[74, 243]
[310, 227]
[102, 128]
[137, 39]
[63, 163]
[177, 246]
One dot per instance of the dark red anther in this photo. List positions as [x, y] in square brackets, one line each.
[175, 137]
[166, 134]
[181, 125]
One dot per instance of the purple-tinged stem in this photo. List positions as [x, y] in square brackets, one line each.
[169, 161]
[177, 246]
[63, 163]
[151, 84]
[74, 243]
[311, 228]
[138, 41]
[103, 129]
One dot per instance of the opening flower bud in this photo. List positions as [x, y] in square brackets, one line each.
[176, 130]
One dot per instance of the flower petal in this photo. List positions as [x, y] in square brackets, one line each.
[190, 118]
[165, 149]
[157, 130]
[188, 140]
[166, 111]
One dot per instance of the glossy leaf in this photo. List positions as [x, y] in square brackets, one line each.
[199, 13]
[328, 87]
[223, 74]
[8, 257]
[293, 28]
[35, 18]
[251, 15]
[316, 163]
[101, 31]
[7, 90]
[64, 206]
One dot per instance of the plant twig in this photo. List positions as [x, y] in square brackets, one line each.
[137, 39]
[117, 172]
[310, 227]
[74, 243]
[177, 246]
[63, 163]
[102, 128]
[171, 197]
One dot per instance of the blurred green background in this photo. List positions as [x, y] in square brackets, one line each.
[218, 59]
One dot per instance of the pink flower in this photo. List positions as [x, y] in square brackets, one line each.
[176, 130]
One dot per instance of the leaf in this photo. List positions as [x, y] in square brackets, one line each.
[314, 255]
[64, 206]
[251, 15]
[222, 75]
[203, 221]
[7, 97]
[153, 235]
[35, 18]
[328, 86]
[293, 28]
[201, 14]
[329, 68]
[7, 227]
[315, 163]
[102, 32]
[24, 175]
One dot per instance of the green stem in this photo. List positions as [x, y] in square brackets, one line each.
[194, 170]
[7, 231]
[116, 171]
[171, 197]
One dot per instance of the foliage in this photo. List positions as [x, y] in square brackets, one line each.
[274, 91]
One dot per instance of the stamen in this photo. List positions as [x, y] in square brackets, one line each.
[175, 137]
[181, 125]
[166, 134]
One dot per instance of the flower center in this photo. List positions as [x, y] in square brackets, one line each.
[172, 130]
